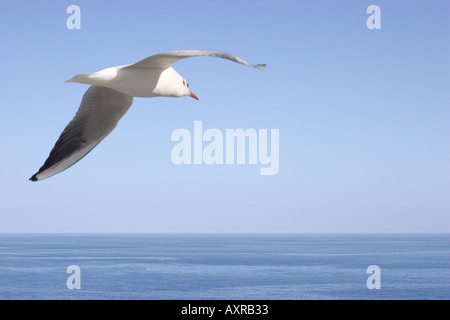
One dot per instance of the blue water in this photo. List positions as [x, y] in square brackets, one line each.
[231, 266]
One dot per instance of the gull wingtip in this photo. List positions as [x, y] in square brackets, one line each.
[261, 66]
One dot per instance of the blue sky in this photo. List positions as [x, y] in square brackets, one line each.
[363, 117]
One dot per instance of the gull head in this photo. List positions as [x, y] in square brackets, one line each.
[171, 84]
[188, 92]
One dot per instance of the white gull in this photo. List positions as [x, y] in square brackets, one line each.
[111, 95]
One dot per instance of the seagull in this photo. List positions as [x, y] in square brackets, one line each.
[110, 96]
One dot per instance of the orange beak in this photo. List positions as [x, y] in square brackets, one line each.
[193, 95]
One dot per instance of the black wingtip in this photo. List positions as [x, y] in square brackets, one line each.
[33, 178]
[261, 66]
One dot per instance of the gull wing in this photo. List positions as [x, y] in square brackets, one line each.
[100, 110]
[166, 60]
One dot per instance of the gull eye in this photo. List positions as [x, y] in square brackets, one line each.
[187, 84]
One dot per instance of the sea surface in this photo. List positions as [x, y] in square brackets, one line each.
[225, 266]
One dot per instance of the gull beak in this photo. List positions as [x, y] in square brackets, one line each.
[193, 95]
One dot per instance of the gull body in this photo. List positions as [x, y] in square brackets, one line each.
[136, 82]
[110, 96]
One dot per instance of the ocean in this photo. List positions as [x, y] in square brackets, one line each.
[224, 266]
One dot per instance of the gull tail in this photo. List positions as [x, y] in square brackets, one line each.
[82, 78]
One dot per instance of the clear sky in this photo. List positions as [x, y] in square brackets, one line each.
[363, 117]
